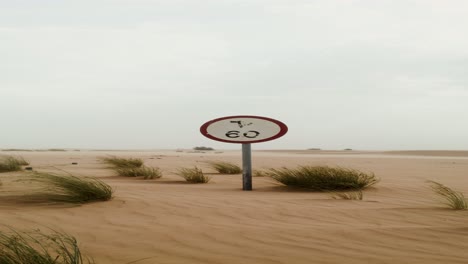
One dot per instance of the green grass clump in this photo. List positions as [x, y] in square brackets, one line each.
[69, 189]
[225, 167]
[10, 163]
[193, 175]
[323, 178]
[453, 199]
[123, 162]
[348, 195]
[132, 167]
[18, 247]
[146, 172]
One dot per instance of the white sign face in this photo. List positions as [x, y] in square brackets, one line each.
[243, 129]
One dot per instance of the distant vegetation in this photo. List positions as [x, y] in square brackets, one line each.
[193, 175]
[453, 199]
[323, 178]
[56, 149]
[203, 148]
[16, 149]
[225, 167]
[10, 163]
[36, 247]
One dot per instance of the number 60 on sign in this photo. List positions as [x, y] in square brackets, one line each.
[243, 129]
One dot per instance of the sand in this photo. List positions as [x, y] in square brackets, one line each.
[170, 221]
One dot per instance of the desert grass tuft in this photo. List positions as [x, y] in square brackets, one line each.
[259, 173]
[36, 247]
[68, 189]
[225, 167]
[123, 162]
[21, 161]
[453, 199]
[348, 195]
[193, 175]
[323, 178]
[146, 172]
[10, 163]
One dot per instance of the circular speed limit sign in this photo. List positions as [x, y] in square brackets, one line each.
[243, 129]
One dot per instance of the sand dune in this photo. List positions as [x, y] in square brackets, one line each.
[170, 221]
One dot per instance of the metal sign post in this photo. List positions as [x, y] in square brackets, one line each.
[246, 167]
[244, 130]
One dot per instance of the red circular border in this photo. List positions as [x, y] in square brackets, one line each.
[283, 129]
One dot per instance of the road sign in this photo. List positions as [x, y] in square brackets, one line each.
[243, 129]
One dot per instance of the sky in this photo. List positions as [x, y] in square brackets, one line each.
[146, 74]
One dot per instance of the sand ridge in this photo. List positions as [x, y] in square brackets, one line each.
[170, 221]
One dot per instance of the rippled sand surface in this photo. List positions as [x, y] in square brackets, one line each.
[170, 221]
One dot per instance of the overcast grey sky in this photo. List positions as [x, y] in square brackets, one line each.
[369, 74]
